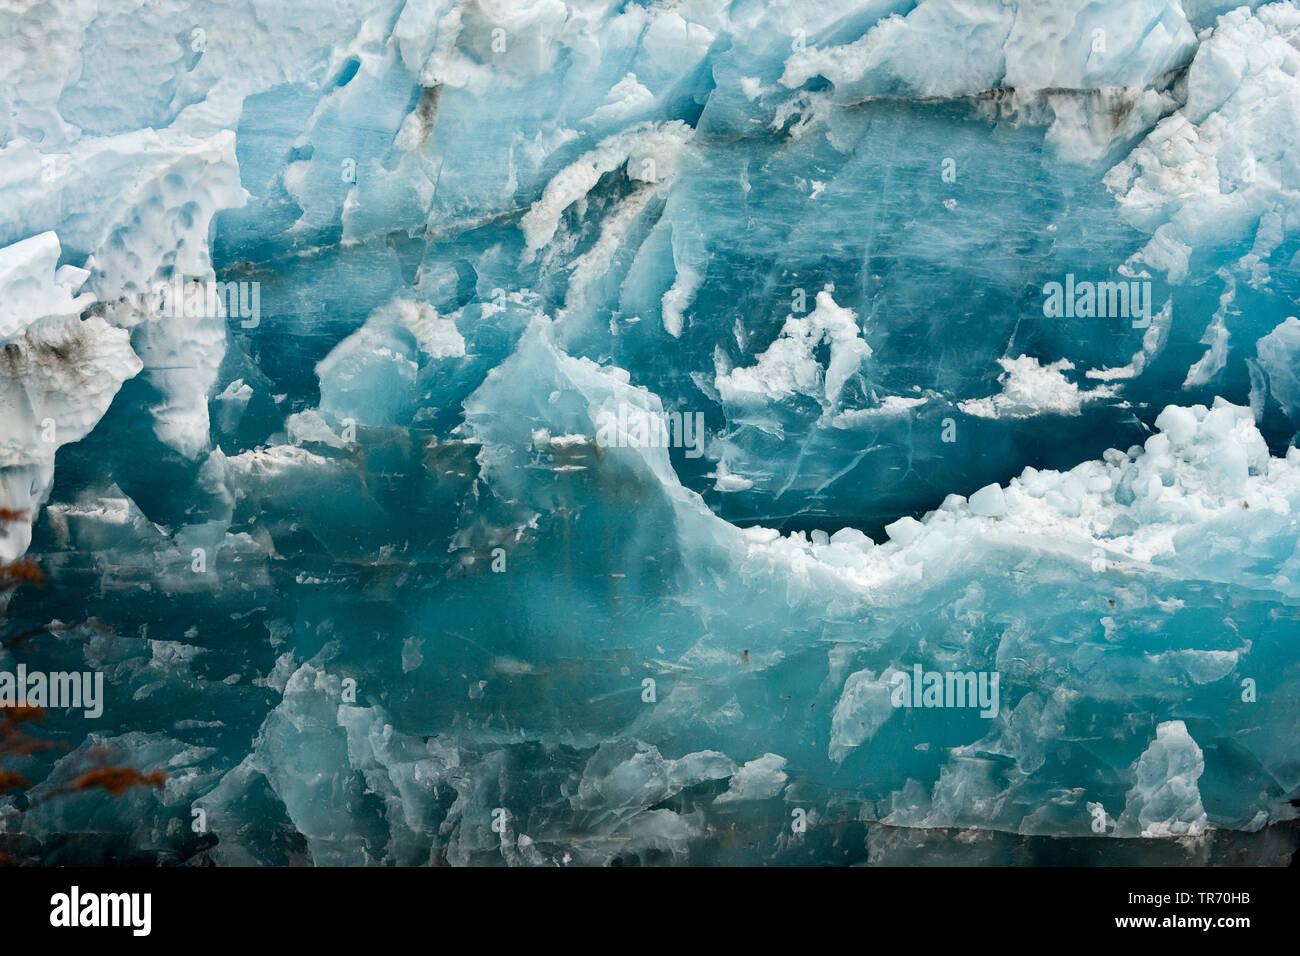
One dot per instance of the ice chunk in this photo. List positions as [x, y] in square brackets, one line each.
[1165, 800]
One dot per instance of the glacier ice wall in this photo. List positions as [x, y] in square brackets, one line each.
[563, 432]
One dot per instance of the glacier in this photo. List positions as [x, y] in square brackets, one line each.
[573, 432]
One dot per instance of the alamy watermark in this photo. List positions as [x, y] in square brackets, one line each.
[208, 298]
[636, 427]
[921, 688]
[58, 690]
[1086, 299]
[75, 909]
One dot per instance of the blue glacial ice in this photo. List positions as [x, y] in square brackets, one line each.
[545, 432]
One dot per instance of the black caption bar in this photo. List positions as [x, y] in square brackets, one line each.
[342, 906]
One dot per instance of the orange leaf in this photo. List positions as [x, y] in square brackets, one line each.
[22, 571]
[118, 780]
[22, 714]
